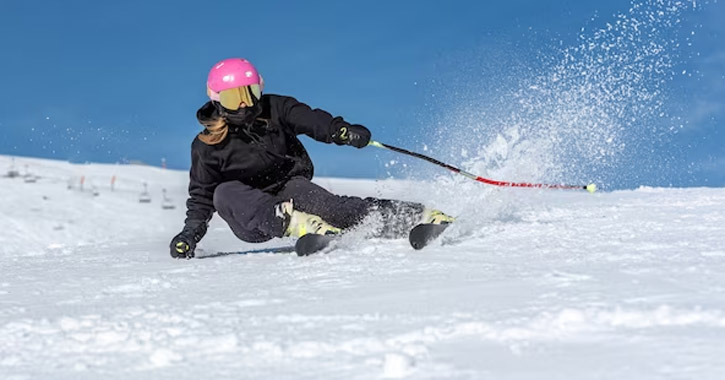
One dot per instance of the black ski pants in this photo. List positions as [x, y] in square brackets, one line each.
[250, 212]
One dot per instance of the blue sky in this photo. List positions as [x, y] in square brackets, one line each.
[115, 81]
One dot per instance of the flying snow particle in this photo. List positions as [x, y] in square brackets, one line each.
[397, 366]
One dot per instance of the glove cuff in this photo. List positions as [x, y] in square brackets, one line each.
[195, 231]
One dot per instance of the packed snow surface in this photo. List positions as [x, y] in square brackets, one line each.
[528, 284]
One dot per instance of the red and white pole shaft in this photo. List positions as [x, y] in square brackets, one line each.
[590, 187]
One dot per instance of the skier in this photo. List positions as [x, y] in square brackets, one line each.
[249, 166]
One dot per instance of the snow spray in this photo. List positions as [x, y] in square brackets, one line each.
[584, 113]
[589, 112]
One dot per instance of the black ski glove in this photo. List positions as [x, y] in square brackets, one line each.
[354, 134]
[182, 245]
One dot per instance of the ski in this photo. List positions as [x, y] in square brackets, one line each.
[312, 243]
[424, 233]
[309, 244]
[273, 250]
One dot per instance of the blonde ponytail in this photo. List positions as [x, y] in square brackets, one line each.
[216, 131]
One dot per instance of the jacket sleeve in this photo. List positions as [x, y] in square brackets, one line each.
[315, 123]
[203, 179]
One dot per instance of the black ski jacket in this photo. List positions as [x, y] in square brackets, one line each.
[263, 155]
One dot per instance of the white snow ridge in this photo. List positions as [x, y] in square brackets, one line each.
[528, 284]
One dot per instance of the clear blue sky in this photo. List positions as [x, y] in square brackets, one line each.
[110, 81]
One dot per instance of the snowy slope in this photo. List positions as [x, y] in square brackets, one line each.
[527, 285]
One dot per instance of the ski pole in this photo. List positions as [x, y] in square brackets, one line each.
[590, 187]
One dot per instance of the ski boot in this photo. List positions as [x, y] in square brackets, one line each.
[433, 216]
[301, 223]
[432, 224]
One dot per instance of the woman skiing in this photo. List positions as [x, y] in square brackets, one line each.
[248, 165]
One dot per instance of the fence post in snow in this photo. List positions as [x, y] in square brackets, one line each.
[145, 197]
[29, 177]
[12, 172]
[166, 204]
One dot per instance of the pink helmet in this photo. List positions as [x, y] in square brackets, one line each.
[232, 73]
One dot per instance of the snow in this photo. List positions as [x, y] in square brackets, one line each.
[528, 284]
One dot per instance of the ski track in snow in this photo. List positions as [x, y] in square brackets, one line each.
[625, 284]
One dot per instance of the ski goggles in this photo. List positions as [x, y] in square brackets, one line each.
[233, 98]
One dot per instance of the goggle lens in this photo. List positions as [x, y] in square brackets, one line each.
[233, 98]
